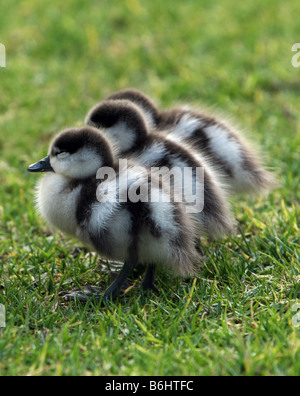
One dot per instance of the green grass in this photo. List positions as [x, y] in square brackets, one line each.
[236, 319]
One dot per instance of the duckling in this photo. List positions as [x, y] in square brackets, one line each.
[72, 197]
[228, 150]
[126, 127]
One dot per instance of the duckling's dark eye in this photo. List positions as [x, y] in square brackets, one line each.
[62, 154]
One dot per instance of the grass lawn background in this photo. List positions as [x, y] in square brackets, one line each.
[232, 58]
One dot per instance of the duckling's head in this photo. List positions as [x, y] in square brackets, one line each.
[77, 153]
[147, 106]
[122, 122]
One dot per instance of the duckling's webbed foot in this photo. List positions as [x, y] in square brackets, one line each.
[148, 282]
[84, 295]
[92, 293]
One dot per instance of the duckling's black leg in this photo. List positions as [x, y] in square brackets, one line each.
[198, 246]
[114, 289]
[89, 293]
[148, 282]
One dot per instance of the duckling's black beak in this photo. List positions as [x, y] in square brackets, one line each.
[41, 166]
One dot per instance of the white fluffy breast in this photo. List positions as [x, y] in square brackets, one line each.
[57, 203]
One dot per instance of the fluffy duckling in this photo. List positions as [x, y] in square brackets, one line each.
[242, 168]
[125, 126]
[74, 198]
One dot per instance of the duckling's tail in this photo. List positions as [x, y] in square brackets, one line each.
[233, 158]
[237, 160]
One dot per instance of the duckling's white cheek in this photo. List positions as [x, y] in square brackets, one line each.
[121, 136]
[81, 165]
[60, 166]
